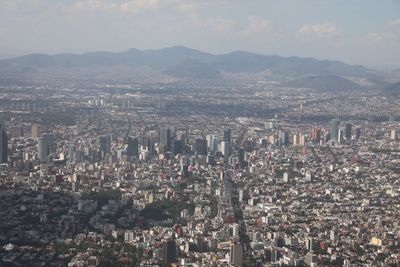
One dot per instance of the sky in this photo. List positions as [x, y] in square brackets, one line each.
[354, 31]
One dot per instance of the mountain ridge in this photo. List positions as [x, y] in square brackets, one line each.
[176, 62]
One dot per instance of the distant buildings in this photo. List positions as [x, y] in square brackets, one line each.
[133, 147]
[165, 138]
[393, 134]
[236, 254]
[36, 131]
[105, 143]
[335, 129]
[169, 251]
[316, 135]
[45, 146]
[3, 144]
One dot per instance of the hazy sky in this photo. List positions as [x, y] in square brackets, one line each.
[355, 31]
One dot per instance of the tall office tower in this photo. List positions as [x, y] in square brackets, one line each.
[358, 133]
[303, 140]
[227, 135]
[241, 157]
[347, 132]
[200, 146]
[133, 147]
[393, 134]
[212, 143]
[235, 231]
[177, 146]
[283, 138]
[165, 138]
[341, 134]
[236, 254]
[3, 144]
[105, 143]
[224, 148]
[71, 152]
[36, 131]
[316, 135]
[169, 251]
[46, 146]
[296, 139]
[335, 129]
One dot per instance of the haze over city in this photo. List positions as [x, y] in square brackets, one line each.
[221, 133]
[358, 32]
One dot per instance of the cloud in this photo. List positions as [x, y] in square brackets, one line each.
[323, 30]
[380, 37]
[395, 22]
[136, 6]
[217, 24]
[257, 26]
[93, 5]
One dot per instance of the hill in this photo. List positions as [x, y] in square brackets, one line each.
[393, 89]
[175, 63]
[329, 83]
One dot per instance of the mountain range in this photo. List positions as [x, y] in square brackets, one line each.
[180, 64]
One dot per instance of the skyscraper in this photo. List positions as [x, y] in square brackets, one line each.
[212, 143]
[177, 146]
[105, 143]
[224, 148]
[200, 146]
[236, 254]
[316, 135]
[169, 251]
[36, 131]
[393, 134]
[347, 132]
[241, 157]
[358, 133]
[335, 129]
[283, 138]
[165, 138]
[3, 144]
[133, 147]
[227, 135]
[45, 146]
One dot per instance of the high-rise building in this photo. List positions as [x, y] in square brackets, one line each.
[169, 251]
[283, 138]
[45, 146]
[165, 138]
[241, 157]
[3, 144]
[358, 133]
[212, 143]
[224, 148]
[341, 135]
[393, 134]
[200, 146]
[105, 143]
[71, 152]
[36, 131]
[347, 131]
[296, 139]
[133, 147]
[316, 135]
[227, 135]
[177, 146]
[303, 140]
[236, 254]
[335, 129]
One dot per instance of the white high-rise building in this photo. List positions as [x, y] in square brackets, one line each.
[224, 148]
